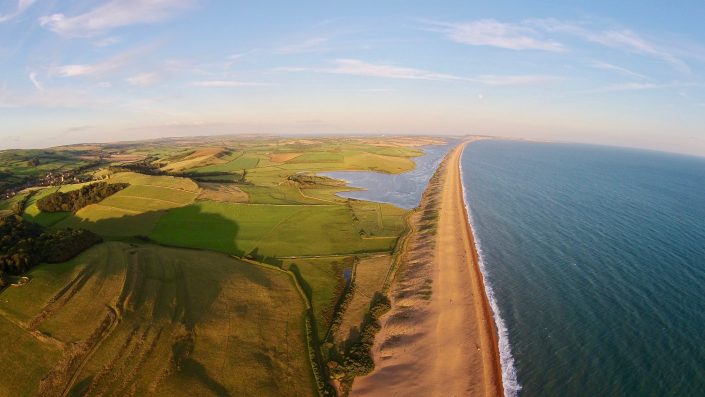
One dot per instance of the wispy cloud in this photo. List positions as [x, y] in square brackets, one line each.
[103, 67]
[515, 80]
[489, 32]
[107, 41]
[35, 81]
[355, 67]
[226, 84]
[617, 38]
[52, 98]
[637, 86]
[22, 6]
[313, 44]
[143, 79]
[114, 14]
[618, 69]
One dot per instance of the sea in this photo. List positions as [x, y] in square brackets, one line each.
[594, 261]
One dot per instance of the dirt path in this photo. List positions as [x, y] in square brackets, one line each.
[445, 344]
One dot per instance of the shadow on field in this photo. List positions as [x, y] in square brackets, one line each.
[187, 227]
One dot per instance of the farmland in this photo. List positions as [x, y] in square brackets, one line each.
[224, 270]
[131, 313]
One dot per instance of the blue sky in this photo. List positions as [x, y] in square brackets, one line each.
[622, 73]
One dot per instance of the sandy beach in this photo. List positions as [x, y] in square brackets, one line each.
[439, 338]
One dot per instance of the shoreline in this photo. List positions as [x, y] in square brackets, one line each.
[493, 330]
[429, 343]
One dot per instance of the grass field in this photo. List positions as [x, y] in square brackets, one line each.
[378, 219]
[144, 320]
[369, 277]
[236, 165]
[135, 209]
[323, 281]
[272, 230]
[318, 157]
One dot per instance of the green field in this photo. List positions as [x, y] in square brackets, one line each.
[370, 274]
[136, 209]
[236, 165]
[146, 320]
[272, 230]
[323, 281]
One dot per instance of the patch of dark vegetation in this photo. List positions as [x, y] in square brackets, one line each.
[76, 199]
[24, 245]
[306, 181]
[357, 357]
[213, 177]
[255, 255]
[315, 356]
[426, 290]
[148, 166]
[19, 207]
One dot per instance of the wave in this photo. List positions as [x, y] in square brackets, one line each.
[510, 383]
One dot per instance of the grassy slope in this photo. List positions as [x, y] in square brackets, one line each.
[190, 323]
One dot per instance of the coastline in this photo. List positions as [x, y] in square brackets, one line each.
[491, 312]
[440, 336]
[507, 369]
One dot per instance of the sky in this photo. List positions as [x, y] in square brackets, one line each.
[627, 73]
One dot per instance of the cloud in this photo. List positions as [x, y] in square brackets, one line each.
[225, 84]
[114, 14]
[22, 6]
[101, 68]
[492, 33]
[314, 44]
[618, 69]
[355, 67]
[52, 99]
[143, 79]
[637, 86]
[515, 80]
[37, 84]
[107, 41]
[617, 38]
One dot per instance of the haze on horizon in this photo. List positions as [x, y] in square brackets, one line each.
[627, 74]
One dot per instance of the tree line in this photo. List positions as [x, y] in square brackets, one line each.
[76, 199]
[25, 244]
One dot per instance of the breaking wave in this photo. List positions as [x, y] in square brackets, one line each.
[509, 374]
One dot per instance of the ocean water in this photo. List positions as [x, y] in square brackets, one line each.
[404, 190]
[595, 258]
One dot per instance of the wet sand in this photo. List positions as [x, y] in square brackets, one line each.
[439, 338]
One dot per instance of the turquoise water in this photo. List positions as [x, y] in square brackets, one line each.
[595, 258]
[403, 190]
